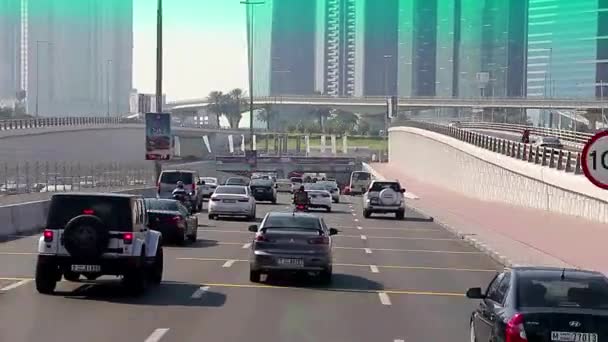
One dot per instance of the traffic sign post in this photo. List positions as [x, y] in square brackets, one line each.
[595, 160]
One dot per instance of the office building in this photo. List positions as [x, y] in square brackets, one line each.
[10, 49]
[79, 57]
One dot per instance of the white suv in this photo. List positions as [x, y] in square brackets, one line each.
[384, 197]
[93, 234]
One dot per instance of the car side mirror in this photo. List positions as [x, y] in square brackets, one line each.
[333, 231]
[475, 293]
[253, 228]
[201, 182]
[402, 191]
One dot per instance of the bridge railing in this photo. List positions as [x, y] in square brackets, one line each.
[40, 177]
[563, 160]
[578, 137]
[16, 124]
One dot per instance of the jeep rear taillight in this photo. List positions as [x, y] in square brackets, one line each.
[48, 235]
[127, 238]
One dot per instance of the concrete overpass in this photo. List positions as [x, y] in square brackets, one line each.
[377, 104]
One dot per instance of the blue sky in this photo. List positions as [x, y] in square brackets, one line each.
[205, 47]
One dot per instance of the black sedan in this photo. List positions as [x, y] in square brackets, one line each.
[172, 219]
[263, 190]
[542, 304]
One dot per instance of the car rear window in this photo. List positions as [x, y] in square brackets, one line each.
[553, 292]
[299, 222]
[159, 204]
[174, 177]
[231, 190]
[379, 186]
[261, 182]
[236, 181]
[296, 180]
[361, 176]
[115, 212]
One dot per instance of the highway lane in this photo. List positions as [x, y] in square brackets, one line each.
[393, 280]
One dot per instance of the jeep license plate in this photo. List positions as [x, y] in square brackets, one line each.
[86, 268]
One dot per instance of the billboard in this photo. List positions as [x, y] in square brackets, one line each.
[158, 136]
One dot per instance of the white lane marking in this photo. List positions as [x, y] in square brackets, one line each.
[200, 292]
[384, 298]
[363, 237]
[359, 227]
[356, 220]
[368, 251]
[157, 335]
[354, 214]
[247, 245]
[228, 263]
[399, 341]
[374, 269]
[15, 285]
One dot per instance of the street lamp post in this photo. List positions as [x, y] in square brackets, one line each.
[38, 42]
[250, 37]
[159, 71]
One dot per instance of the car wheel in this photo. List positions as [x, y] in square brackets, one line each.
[473, 338]
[200, 205]
[212, 217]
[192, 237]
[325, 276]
[274, 201]
[254, 276]
[338, 200]
[400, 215]
[181, 239]
[46, 277]
[367, 213]
[136, 280]
[328, 209]
[156, 273]
[71, 276]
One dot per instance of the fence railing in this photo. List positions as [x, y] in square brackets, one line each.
[568, 135]
[54, 122]
[566, 161]
[28, 177]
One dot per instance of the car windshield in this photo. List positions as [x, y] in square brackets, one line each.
[573, 291]
[160, 204]
[209, 180]
[174, 177]
[115, 212]
[261, 182]
[232, 190]
[379, 186]
[289, 221]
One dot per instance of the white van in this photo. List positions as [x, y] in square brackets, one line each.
[359, 182]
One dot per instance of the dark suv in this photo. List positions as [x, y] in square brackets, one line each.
[95, 234]
[263, 190]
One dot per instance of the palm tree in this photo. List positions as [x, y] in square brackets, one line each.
[235, 104]
[216, 105]
[346, 120]
[267, 115]
[322, 113]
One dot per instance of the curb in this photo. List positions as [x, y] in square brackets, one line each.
[468, 238]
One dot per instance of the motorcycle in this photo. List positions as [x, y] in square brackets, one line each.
[183, 199]
[300, 205]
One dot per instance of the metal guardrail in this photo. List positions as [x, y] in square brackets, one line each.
[566, 161]
[568, 135]
[27, 177]
[55, 122]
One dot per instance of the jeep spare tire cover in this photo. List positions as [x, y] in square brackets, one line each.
[86, 237]
[388, 196]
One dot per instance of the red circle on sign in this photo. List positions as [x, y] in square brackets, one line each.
[585, 152]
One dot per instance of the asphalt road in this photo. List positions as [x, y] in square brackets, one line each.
[393, 281]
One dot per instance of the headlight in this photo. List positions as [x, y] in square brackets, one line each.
[191, 193]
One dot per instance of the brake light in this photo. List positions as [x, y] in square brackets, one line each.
[48, 235]
[177, 219]
[261, 238]
[127, 238]
[321, 240]
[88, 212]
[514, 331]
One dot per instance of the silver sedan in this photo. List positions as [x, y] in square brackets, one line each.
[292, 242]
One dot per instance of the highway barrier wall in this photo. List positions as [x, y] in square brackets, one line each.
[480, 173]
[30, 217]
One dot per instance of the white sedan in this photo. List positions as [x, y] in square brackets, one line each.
[209, 187]
[318, 196]
[284, 185]
[232, 200]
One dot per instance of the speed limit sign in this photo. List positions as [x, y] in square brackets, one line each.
[595, 160]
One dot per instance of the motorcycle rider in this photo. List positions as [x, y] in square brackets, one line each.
[300, 196]
[180, 193]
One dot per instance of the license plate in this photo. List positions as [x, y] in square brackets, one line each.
[86, 268]
[291, 262]
[260, 190]
[229, 201]
[374, 201]
[565, 336]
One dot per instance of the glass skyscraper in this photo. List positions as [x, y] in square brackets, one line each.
[10, 48]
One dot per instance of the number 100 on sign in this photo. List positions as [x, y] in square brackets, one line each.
[595, 160]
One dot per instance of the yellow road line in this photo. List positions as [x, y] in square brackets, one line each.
[402, 292]
[400, 238]
[364, 266]
[409, 250]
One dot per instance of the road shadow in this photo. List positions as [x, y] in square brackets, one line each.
[9, 238]
[168, 293]
[391, 217]
[202, 243]
[339, 212]
[237, 219]
[340, 282]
